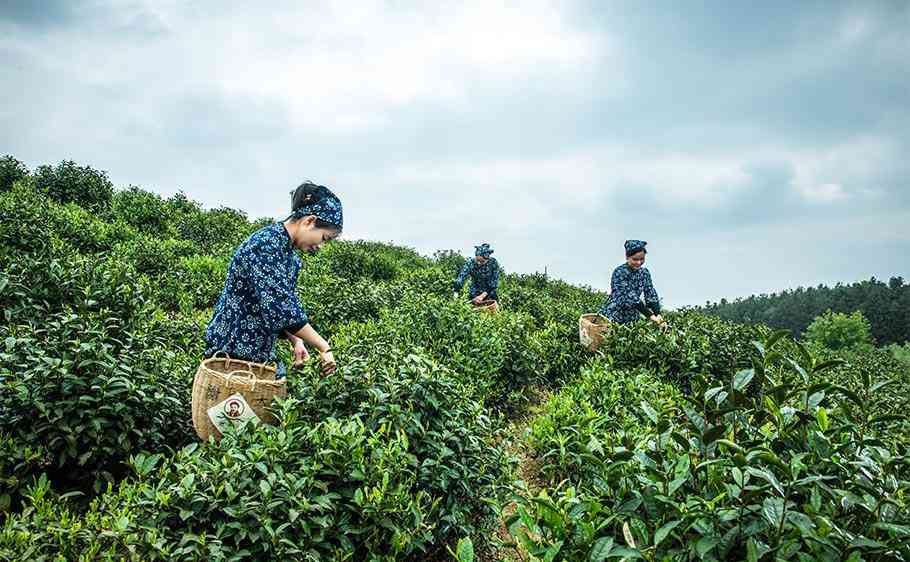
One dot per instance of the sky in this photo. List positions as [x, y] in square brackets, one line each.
[756, 146]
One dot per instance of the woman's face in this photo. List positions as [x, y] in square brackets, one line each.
[636, 260]
[481, 259]
[310, 238]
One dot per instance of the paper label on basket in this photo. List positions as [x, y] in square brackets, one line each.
[232, 411]
[585, 338]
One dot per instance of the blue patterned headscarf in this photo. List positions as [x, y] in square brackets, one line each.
[483, 250]
[326, 206]
[635, 246]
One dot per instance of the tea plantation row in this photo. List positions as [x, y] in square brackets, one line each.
[677, 444]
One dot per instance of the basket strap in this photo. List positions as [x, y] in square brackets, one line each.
[246, 375]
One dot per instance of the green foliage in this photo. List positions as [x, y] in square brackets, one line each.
[693, 344]
[692, 442]
[153, 256]
[885, 305]
[889, 402]
[90, 392]
[593, 422]
[450, 262]
[70, 183]
[22, 228]
[837, 331]
[193, 282]
[901, 353]
[145, 211]
[212, 231]
[383, 467]
[19, 462]
[378, 262]
[11, 171]
[793, 472]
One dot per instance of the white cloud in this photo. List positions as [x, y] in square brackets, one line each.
[550, 132]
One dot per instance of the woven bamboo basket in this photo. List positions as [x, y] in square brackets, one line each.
[220, 376]
[488, 305]
[591, 330]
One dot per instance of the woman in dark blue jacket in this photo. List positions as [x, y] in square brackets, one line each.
[484, 273]
[259, 303]
[629, 282]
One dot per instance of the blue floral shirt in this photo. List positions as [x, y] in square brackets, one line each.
[484, 278]
[259, 302]
[626, 288]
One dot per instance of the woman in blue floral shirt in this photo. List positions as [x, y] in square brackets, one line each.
[630, 281]
[484, 273]
[259, 303]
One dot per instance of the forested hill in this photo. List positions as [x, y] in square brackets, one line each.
[885, 305]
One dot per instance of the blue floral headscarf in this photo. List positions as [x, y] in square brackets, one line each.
[327, 207]
[483, 250]
[635, 246]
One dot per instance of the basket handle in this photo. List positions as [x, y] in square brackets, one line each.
[262, 366]
[221, 352]
[245, 374]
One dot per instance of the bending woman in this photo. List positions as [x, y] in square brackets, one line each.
[259, 303]
[630, 281]
[484, 273]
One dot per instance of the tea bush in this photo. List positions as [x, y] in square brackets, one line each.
[213, 231]
[23, 227]
[11, 171]
[153, 256]
[901, 353]
[19, 462]
[690, 442]
[68, 182]
[692, 344]
[593, 418]
[384, 467]
[147, 212]
[90, 393]
[791, 473]
[193, 282]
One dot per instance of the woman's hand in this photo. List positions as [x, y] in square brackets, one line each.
[328, 362]
[300, 352]
[658, 319]
[312, 337]
[479, 298]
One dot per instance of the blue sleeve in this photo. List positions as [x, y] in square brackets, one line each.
[651, 297]
[269, 276]
[463, 276]
[494, 282]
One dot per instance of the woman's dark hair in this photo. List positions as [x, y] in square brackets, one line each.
[309, 193]
[631, 253]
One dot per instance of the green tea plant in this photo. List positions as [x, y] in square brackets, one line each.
[692, 442]
[11, 171]
[88, 401]
[68, 182]
[403, 463]
[792, 472]
[19, 463]
[147, 212]
[595, 421]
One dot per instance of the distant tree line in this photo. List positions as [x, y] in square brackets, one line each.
[885, 305]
